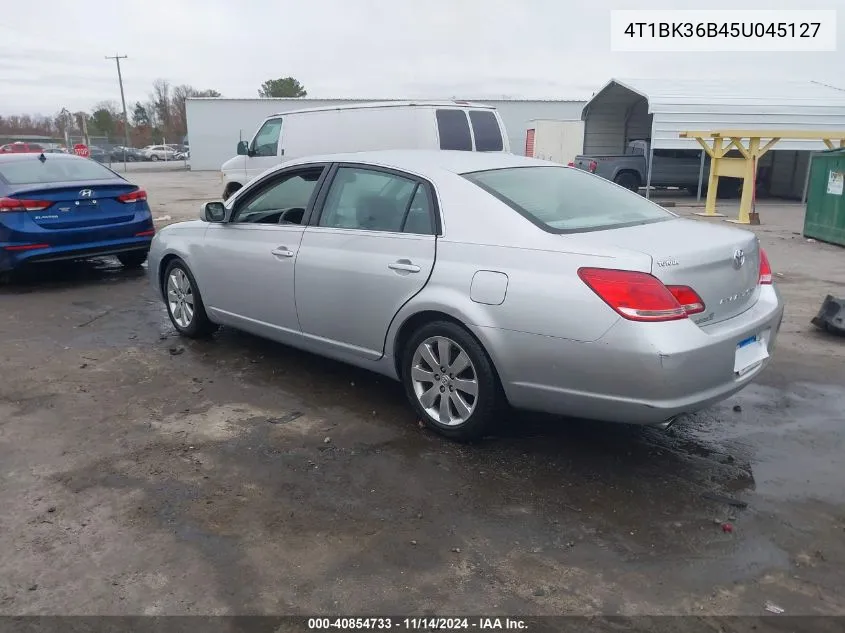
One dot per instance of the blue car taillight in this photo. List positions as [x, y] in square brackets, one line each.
[15, 204]
[133, 196]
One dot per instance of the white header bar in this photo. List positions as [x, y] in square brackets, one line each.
[723, 30]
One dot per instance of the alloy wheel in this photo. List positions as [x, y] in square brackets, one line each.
[444, 380]
[180, 297]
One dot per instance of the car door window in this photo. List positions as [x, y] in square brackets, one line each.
[266, 142]
[454, 130]
[281, 201]
[376, 201]
[485, 128]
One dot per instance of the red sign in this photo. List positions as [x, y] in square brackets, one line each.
[80, 150]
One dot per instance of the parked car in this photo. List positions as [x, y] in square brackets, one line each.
[98, 154]
[479, 280]
[449, 125]
[55, 150]
[19, 147]
[67, 207]
[159, 152]
[184, 155]
[132, 155]
[671, 168]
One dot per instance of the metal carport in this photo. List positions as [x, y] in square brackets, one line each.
[659, 110]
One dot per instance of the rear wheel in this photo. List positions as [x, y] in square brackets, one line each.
[450, 381]
[628, 180]
[133, 259]
[184, 302]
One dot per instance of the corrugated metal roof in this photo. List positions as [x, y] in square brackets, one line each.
[679, 105]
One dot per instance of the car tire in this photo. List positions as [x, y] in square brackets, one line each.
[154, 158]
[132, 259]
[629, 180]
[230, 190]
[178, 280]
[464, 417]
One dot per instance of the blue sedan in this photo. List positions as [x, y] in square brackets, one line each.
[57, 207]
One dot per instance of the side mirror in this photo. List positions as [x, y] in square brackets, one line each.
[243, 148]
[213, 212]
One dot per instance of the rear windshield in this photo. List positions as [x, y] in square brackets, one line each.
[34, 171]
[566, 200]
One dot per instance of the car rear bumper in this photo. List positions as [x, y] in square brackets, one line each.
[642, 373]
[9, 260]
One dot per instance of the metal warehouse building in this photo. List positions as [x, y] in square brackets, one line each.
[635, 109]
[215, 125]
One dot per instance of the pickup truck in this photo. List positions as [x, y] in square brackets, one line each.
[671, 168]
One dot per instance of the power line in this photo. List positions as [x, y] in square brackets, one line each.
[117, 59]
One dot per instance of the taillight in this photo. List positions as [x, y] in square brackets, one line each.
[765, 269]
[571, 163]
[134, 196]
[634, 295]
[593, 166]
[688, 298]
[14, 204]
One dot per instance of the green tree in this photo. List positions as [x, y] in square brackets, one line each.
[282, 87]
[102, 121]
[140, 116]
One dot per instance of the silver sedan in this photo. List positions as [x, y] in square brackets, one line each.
[478, 281]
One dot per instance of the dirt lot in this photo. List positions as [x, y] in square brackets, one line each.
[144, 474]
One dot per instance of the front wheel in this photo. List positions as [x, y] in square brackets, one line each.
[184, 302]
[450, 381]
[154, 158]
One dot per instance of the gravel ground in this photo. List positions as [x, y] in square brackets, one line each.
[144, 474]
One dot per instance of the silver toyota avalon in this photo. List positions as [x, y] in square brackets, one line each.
[480, 281]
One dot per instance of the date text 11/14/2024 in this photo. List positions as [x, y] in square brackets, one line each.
[418, 624]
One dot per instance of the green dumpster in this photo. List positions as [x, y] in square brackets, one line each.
[825, 216]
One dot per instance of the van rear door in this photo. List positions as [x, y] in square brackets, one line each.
[469, 130]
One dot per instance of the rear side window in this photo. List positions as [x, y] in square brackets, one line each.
[485, 127]
[454, 130]
[25, 172]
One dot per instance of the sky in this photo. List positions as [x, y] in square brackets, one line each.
[52, 52]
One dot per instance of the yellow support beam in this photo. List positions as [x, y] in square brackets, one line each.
[718, 143]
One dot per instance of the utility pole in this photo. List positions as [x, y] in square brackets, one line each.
[117, 59]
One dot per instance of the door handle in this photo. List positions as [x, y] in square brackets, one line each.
[404, 265]
[282, 251]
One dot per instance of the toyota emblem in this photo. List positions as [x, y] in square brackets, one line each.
[739, 258]
[86, 193]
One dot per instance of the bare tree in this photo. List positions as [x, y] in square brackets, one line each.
[162, 103]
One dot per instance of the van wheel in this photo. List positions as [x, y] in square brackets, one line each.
[231, 188]
[450, 381]
[628, 180]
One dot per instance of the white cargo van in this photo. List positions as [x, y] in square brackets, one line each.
[455, 125]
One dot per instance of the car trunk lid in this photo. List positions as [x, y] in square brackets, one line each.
[721, 264]
[76, 205]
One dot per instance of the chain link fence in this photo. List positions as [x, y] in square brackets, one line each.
[112, 152]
